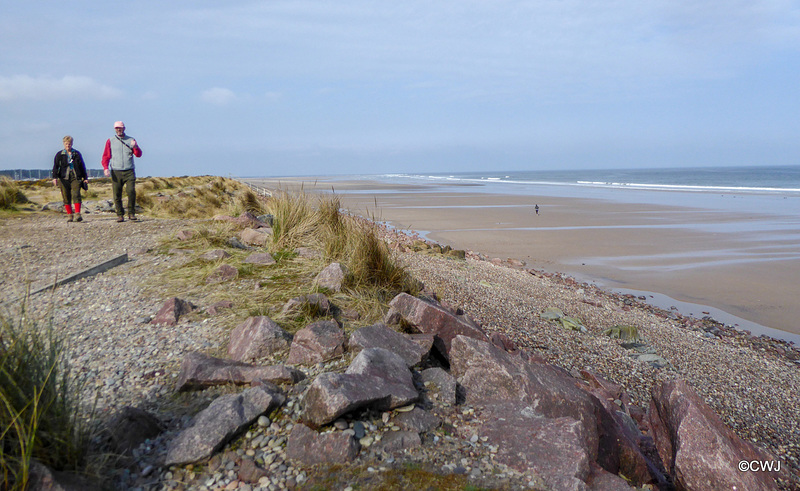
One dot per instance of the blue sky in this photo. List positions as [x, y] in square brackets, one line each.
[362, 87]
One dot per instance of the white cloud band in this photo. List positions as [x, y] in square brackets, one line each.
[25, 87]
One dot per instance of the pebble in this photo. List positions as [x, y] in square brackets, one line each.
[136, 364]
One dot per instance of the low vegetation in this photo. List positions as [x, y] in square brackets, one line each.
[40, 405]
[42, 418]
[10, 194]
[313, 222]
[175, 197]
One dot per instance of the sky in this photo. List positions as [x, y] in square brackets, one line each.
[305, 87]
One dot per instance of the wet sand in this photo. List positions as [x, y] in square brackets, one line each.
[688, 254]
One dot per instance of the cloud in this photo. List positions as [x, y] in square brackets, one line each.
[25, 87]
[218, 96]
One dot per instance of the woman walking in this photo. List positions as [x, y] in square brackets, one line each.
[70, 172]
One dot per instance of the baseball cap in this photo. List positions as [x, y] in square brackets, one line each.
[119, 124]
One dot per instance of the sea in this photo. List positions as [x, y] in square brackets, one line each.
[767, 197]
[765, 189]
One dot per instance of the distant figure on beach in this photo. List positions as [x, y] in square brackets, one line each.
[537, 209]
[118, 163]
[69, 172]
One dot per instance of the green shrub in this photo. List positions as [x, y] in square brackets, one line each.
[40, 404]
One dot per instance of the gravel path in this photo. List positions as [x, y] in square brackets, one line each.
[751, 383]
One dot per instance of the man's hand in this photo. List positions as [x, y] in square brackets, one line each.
[55, 182]
[107, 172]
[133, 143]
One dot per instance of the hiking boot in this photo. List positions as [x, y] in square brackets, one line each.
[70, 217]
[120, 218]
[132, 218]
[78, 217]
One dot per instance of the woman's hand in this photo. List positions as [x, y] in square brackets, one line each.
[55, 182]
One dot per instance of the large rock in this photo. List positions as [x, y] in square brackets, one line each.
[382, 336]
[430, 318]
[490, 375]
[332, 277]
[394, 441]
[199, 371]
[254, 237]
[698, 450]
[440, 383]
[417, 420]
[223, 419]
[557, 449]
[308, 447]
[171, 311]
[376, 378]
[621, 442]
[246, 219]
[334, 394]
[257, 337]
[391, 368]
[318, 342]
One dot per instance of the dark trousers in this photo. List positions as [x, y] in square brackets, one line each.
[70, 190]
[126, 179]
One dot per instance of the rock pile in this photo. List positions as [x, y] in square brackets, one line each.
[559, 430]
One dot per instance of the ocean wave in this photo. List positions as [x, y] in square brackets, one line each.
[688, 187]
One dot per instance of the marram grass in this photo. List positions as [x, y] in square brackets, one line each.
[196, 197]
[10, 194]
[299, 220]
[40, 404]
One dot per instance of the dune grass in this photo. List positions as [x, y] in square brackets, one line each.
[300, 220]
[40, 404]
[196, 197]
[10, 194]
[303, 220]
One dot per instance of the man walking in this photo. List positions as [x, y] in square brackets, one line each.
[118, 163]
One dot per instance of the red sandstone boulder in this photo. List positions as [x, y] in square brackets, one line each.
[172, 310]
[308, 447]
[381, 336]
[257, 337]
[318, 342]
[698, 449]
[333, 277]
[428, 317]
[199, 371]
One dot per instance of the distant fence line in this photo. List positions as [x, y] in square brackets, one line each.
[260, 190]
[36, 174]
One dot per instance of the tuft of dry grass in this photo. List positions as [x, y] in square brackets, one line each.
[196, 197]
[317, 220]
[10, 194]
[40, 403]
[300, 220]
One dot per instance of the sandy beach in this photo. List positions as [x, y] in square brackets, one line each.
[699, 258]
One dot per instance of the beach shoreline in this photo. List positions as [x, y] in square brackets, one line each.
[689, 257]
